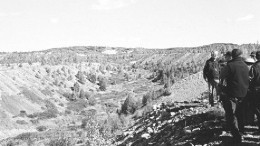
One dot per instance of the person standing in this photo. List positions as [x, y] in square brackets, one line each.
[254, 86]
[211, 75]
[253, 55]
[236, 74]
[247, 105]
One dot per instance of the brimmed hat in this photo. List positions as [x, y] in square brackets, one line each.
[249, 60]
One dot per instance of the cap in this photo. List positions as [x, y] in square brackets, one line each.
[236, 53]
[228, 53]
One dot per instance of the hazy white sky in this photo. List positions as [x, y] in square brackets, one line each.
[27, 25]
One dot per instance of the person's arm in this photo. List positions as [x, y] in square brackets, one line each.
[224, 73]
[205, 70]
[252, 73]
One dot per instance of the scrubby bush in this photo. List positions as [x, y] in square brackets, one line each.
[111, 125]
[91, 100]
[76, 87]
[63, 69]
[81, 77]
[83, 94]
[102, 83]
[152, 95]
[48, 70]
[21, 122]
[70, 78]
[56, 82]
[61, 142]
[48, 114]
[78, 105]
[37, 76]
[130, 105]
[92, 78]
[41, 128]
[127, 76]
[146, 98]
[108, 67]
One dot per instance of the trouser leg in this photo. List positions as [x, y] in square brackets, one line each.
[211, 101]
[212, 96]
[257, 112]
[256, 109]
[232, 121]
[240, 116]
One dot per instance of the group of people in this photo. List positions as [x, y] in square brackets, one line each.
[236, 81]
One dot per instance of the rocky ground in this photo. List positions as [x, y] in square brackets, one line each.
[184, 123]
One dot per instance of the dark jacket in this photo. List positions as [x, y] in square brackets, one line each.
[237, 78]
[254, 75]
[206, 72]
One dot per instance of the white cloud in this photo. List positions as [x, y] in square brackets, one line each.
[112, 4]
[15, 14]
[2, 14]
[11, 14]
[54, 20]
[246, 18]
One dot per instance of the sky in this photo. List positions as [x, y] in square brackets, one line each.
[32, 25]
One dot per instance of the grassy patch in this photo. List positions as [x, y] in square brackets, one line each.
[78, 105]
[31, 96]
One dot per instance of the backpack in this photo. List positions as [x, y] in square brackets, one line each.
[213, 70]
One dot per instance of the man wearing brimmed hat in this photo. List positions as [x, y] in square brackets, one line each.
[253, 55]
[237, 78]
[248, 114]
[254, 75]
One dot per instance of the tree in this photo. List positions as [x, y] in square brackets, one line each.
[102, 84]
[76, 87]
[81, 77]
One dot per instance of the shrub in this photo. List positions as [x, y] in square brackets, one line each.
[63, 69]
[70, 78]
[76, 87]
[146, 98]
[92, 78]
[41, 128]
[67, 95]
[127, 76]
[102, 84]
[21, 122]
[82, 94]
[37, 76]
[56, 82]
[77, 105]
[111, 125]
[60, 142]
[49, 114]
[152, 95]
[130, 105]
[81, 77]
[108, 67]
[23, 113]
[48, 70]
[91, 100]
[47, 92]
